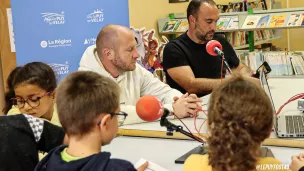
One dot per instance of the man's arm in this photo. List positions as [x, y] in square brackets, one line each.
[242, 70]
[183, 75]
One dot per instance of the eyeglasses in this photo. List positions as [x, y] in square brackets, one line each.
[121, 117]
[33, 102]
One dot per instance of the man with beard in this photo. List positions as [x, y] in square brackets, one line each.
[114, 56]
[188, 66]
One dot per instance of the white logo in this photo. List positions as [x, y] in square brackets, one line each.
[95, 17]
[43, 44]
[56, 43]
[53, 18]
[90, 41]
[60, 69]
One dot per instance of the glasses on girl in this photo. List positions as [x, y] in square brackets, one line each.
[33, 101]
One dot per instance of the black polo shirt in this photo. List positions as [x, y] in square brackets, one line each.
[182, 51]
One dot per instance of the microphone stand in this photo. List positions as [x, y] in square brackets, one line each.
[164, 122]
[226, 64]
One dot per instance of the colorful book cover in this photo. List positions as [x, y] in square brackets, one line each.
[170, 25]
[183, 26]
[294, 20]
[251, 21]
[222, 23]
[302, 18]
[277, 20]
[263, 21]
[234, 23]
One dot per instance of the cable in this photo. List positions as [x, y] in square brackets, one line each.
[293, 98]
[199, 140]
[222, 67]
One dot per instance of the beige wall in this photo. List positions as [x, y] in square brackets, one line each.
[145, 13]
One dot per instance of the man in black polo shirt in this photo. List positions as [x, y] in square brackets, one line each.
[188, 66]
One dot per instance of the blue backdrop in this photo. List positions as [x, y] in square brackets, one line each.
[58, 32]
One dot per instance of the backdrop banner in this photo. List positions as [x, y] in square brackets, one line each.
[58, 32]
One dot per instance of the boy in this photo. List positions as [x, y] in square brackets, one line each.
[88, 109]
[22, 136]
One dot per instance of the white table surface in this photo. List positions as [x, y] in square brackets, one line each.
[164, 151]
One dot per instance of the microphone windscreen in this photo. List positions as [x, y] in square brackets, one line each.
[149, 108]
[211, 45]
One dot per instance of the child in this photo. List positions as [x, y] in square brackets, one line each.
[32, 91]
[297, 163]
[240, 118]
[22, 136]
[88, 110]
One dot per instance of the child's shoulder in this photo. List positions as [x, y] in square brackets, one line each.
[197, 162]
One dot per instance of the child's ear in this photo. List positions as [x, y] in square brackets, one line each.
[53, 95]
[103, 119]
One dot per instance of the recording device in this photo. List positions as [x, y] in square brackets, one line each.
[263, 68]
[214, 48]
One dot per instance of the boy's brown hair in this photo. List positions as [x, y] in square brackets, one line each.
[240, 117]
[81, 97]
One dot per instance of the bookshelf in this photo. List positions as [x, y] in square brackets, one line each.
[243, 17]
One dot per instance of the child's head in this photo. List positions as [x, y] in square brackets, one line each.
[240, 117]
[88, 103]
[34, 87]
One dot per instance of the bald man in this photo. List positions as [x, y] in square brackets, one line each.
[114, 56]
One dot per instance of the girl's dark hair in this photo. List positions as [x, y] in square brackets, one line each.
[240, 118]
[10, 91]
[36, 73]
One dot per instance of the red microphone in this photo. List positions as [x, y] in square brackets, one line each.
[214, 48]
[149, 108]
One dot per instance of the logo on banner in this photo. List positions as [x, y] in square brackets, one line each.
[95, 17]
[60, 69]
[56, 43]
[90, 41]
[53, 18]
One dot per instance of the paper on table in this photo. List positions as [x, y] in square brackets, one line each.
[151, 167]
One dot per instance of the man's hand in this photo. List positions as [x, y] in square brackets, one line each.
[297, 162]
[143, 167]
[187, 105]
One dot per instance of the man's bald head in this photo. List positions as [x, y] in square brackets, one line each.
[108, 37]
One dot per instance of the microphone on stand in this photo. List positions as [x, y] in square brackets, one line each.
[150, 109]
[214, 48]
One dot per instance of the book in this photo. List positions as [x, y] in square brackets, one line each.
[251, 21]
[277, 20]
[263, 21]
[183, 26]
[234, 23]
[170, 25]
[294, 20]
[222, 23]
[302, 18]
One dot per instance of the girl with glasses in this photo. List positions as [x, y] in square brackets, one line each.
[32, 91]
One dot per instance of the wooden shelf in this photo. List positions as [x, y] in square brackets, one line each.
[256, 43]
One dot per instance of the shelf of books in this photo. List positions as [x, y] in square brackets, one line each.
[266, 24]
[282, 63]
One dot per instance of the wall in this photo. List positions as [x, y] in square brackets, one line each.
[8, 58]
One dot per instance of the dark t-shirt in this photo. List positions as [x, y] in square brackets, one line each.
[21, 137]
[182, 51]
